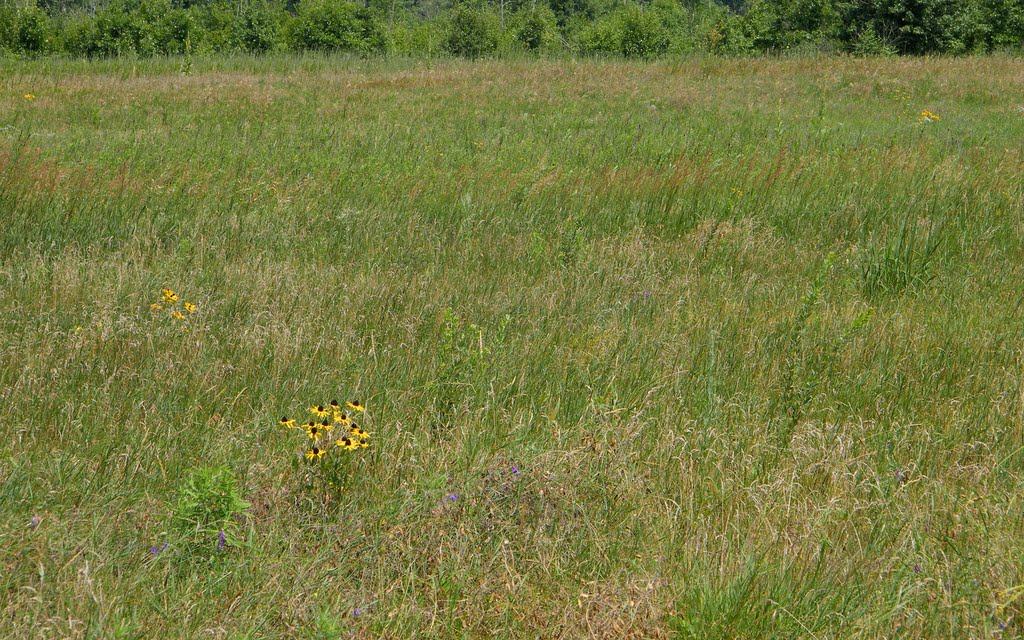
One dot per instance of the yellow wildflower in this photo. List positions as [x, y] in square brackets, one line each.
[319, 411]
[191, 308]
[169, 296]
[355, 406]
[156, 306]
[315, 452]
[29, 96]
[177, 315]
[285, 421]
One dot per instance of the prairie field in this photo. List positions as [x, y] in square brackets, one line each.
[700, 349]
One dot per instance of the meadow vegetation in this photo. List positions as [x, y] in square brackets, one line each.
[700, 348]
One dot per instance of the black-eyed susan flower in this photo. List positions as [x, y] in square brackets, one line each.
[355, 405]
[362, 444]
[156, 306]
[191, 308]
[326, 425]
[169, 296]
[335, 405]
[358, 432]
[177, 315]
[315, 452]
[347, 443]
[319, 411]
[342, 419]
[285, 421]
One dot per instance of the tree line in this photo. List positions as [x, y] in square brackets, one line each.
[476, 28]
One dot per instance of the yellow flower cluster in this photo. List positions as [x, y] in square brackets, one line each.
[29, 96]
[928, 116]
[169, 303]
[327, 418]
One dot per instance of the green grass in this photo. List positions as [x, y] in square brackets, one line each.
[750, 332]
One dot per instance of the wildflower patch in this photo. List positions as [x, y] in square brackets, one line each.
[330, 436]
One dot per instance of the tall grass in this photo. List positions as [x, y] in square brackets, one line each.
[575, 298]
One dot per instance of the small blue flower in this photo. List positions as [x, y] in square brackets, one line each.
[221, 540]
[515, 470]
[452, 497]
[356, 613]
[34, 523]
[154, 551]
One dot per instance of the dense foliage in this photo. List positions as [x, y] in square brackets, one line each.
[474, 28]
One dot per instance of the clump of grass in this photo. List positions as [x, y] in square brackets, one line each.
[903, 262]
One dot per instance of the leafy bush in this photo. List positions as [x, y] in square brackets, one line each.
[256, 29]
[910, 26]
[32, 30]
[629, 31]
[472, 32]
[538, 28]
[335, 25]
[118, 31]
[1005, 22]
[215, 26]
[206, 516]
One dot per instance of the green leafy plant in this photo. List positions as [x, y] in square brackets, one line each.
[472, 32]
[330, 25]
[205, 518]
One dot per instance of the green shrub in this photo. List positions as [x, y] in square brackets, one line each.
[25, 29]
[472, 32]
[256, 29]
[729, 36]
[336, 25]
[1005, 21]
[643, 36]
[119, 31]
[537, 28]
[909, 26]
[174, 29]
[629, 31]
[215, 26]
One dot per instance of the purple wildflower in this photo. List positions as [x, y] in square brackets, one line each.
[515, 470]
[356, 613]
[153, 551]
[917, 568]
[34, 523]
[452, 497]
[1002, 625]
[221, 540]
